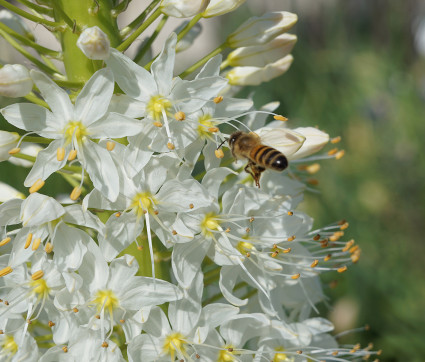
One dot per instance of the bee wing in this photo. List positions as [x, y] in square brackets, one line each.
[283, 139]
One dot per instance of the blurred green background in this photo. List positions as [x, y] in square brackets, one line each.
[357, 74]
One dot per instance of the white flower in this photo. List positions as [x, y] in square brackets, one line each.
[15, 81]
[8, 192]
[183, 8]
[221, 7]
[94, 43]
[73, 127]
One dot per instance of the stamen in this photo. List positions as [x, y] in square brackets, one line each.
[291, 238]
[48, 248]
[65, 349]
[313, 168]
[335, 139]
[327, 257]
[37, 275]
[180, 116]
[110, 145]
[170, 146]
[5, 241]
[36, 186]
[336, 236]
[348, 245]
[118, 214]
[51, 324]
[72, 155]
[342, 269]
[344, 226]
[14, 151]
[191, 206]
[36, 244]
[157, 124]
[312, 181]
[295, 276]
[218, 99]
[316, 237]
[5, 271]
[28, 241]
[60, 153]
[213, 129]
[290, 213]
[75, 194]
[340, 155]
[219, 153]
[278, 117]
[314, 263]
[333, 151]
[105, 345]
[122, 321]
[75, 310]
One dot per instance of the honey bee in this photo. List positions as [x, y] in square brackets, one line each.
[260, 157]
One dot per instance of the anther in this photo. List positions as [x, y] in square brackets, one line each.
[4, 272]
[28, 241]
[324, 243]
[60, 153]
[344, 226]
[65, 349]
[180, 116]
[230, 349]
[157, 124]
[336, 235]
[36, 244]
[105, 345]
[197, 356]
[312, 181]
[227, 230]
[291, 238]
[313, 168]
[48, 248]
[299, 352]
[36, 186]
[139, 247]
[248, 254]
[5, 241]
[251, 219]
[342, 222]
[14, 151]
[191, 206]
[72, 155]
[75, 194]
[51, 324]
[314, 263]
[122, 321]
[332, 152]
[278, 117]
[342, 269]
[295, 276]
[213, 129]
[219, 153]
[37, 275]
[247, 230]
[275, 254]
[29, 321]
[118, 214]
[348, 245]
[355, 258]
[327, 257]
[97, 316]
[174, 232]
[287, 250]
[1, 331]
[170, 146]
[6, 302]
[335, 353]
[218, 99]
[316, 237]
[110, 145]
[75, 310]
[156, 212]
[339, 155]
[290, 213]
[335, 139]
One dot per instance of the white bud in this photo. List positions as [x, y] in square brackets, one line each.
[189, 38]
[94, 43]
[15, 23]
[183, 8]
[260, 30]
[261, 55]
[8, 141]
[220, 7]
[15, 81]
[8, 192]
[255, 75]
[315, 139]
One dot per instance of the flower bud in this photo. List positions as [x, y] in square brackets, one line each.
[315, 139]
[8, 192]
[15, 23]
[189, 38]
[94, 43]
[244, 76]
[183, 8]
[8, 141]
[220, 7]
[15, 81]
[261, 55]
[260, 30]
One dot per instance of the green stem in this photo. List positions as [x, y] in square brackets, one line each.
[34, 99]
[42, 140]
[26, 54]
[131, 38]
[203, 60]
[29, 16]
[151, 39]
[121, 7]
[140, 19]
[24, 40]
[37, 8]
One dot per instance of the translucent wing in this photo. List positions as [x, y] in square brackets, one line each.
[284, 140]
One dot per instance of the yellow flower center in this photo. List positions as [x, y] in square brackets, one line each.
[157, 105]
[227, 354]
[209, 224]
[75, 129]
[107, 299]
[40, 288]
[279, 356]
[9, 345]
[174, 342]
[244, 247]
[143, 201]
[205, 124]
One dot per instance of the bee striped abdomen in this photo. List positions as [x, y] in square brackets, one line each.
[269, 157]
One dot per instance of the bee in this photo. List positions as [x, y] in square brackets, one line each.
[260, 157]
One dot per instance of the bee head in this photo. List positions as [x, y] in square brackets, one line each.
[233, 137]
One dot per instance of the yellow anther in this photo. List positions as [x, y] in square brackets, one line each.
[75, 194]
[117, 214]
[336, 235]
[156, 212]
[313, 168]
[316, 237]
[355, 257]
[314, 263]
[122, 320]
[14, 151]
[5, 241]
[72, 155]
[157, 124]
[218, 99]
[180, 116]
[339, 155]
[1, 331]
[336, 139]
[278, 117]
[65, 349]
[251, 219]
[327, 257]
[227, 230]
[295, 276]
[342, 269]
[60, 153]
[48, 248]
[28, 241]
[354, 249]
[191, 206]
[37, 275]
[170, 146]
[312, 181]
[213, 129]
[51, 324]
[333, 151]
[5, 271]
[110, 145]
[36, 186]
[105, 345]
[344, 226]
[174, 232]
[75, 310]
[97, 316]
[36, 244]
[287, 250]
[290, 213]
[335, 353]
[299, 352]
[348, 245]
[247, 230]
[139, 247]
[291, 238]
[6, 302]
[275, 254]
[219, 153]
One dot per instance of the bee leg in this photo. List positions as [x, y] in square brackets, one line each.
[255, 171]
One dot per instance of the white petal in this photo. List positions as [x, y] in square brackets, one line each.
[143, 348]
[228, 277]
[121, 272]
[211, 68]
[315, 139]
[93, 100]
[38, 209]
[76, 215]
[130, 107]
[213, 179]
[9, 212]
[115, 125]
[163, 66]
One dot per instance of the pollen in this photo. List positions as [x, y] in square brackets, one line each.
[75, 194]
[327, 257]
[51, 324]
[179, 116]
[344, 226]
[74, 130]
[287, 250]
[291, 238]
[37, 275]
[65, 349]
[209, 224]
[213, 129]
[278, 117]
[336, 235]
[227, 354]
[191, 206]
[5, 241]
[290, 213]
[157, 105]
[72, 155]
[14, 151]
[244, 247]
[36, 186]
[60, 153]
[107, 299]
[48, 248]
[348, 245]
[205, 123]
[174, 342]
[110, 145]
[39, 287]
[36, 244]
[5, 271]
[279, 355]
[219, 153]
[218, 99]
[105, 345]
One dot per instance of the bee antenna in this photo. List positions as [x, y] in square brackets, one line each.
[222, 143]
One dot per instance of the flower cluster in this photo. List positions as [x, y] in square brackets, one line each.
[165, 248]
